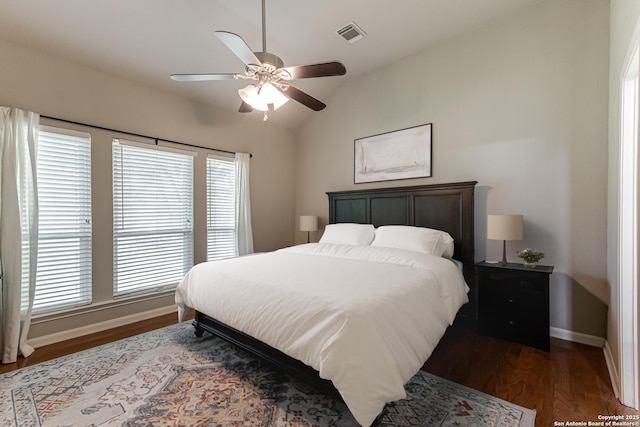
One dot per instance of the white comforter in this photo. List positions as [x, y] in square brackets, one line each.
[367, 318]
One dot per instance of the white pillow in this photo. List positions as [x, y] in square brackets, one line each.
[419, 239]
[348, 234]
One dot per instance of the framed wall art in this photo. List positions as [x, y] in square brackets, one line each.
[401, 154]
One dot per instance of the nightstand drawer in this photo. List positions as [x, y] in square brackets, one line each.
[512, 280]
[518, 328]
[510, 296]
[514, 319]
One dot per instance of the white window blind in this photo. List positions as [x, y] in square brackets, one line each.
[152, 217]
[63, 164]
[221, 211]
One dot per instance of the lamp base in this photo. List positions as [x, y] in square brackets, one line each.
[504, 253]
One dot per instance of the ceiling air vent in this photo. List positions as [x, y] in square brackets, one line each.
[351, 32]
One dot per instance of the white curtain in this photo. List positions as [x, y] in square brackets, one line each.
[243, 205]
[18, 229]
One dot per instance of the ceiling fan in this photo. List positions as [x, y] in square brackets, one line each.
[272, 87]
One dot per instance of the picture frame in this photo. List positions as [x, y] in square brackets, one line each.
[395, 155]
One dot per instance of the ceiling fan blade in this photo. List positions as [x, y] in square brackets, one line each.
[245, 108]
[238, 46]
[324, 69]
[202, 77]
[303, 98]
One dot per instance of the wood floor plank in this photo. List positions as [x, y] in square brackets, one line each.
[569, 383]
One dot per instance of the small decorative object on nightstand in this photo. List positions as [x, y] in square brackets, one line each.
[530, 256]
[513, 302]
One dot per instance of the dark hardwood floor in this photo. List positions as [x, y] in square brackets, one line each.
[570, 383]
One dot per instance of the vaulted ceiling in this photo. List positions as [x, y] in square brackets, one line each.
[148, 40]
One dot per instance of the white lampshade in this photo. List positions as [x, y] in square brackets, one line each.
[308, 223]
[260, 99]
[271, 95]
[505, 227]
[250, 95]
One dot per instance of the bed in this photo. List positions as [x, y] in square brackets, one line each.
[320, 310]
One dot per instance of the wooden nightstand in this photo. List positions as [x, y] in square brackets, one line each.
[513, 302]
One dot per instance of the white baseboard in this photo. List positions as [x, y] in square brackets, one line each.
[611, 367]
[100, 326]
[578, 337]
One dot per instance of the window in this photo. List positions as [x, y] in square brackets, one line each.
[152, 216]
[63, 165]
[221, 223]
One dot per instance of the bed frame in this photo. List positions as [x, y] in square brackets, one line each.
[447, 207]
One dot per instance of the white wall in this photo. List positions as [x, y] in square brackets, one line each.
[53, 87]
[625, 25]
[520, 105]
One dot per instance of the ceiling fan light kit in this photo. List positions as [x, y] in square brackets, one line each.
[273, 86]
[262, 98]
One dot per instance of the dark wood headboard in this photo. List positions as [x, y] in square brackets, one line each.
[447, 207]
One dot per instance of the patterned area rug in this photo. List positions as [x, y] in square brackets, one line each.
[168, 377]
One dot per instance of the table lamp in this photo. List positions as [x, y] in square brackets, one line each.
[504, 227]
[308, 223]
